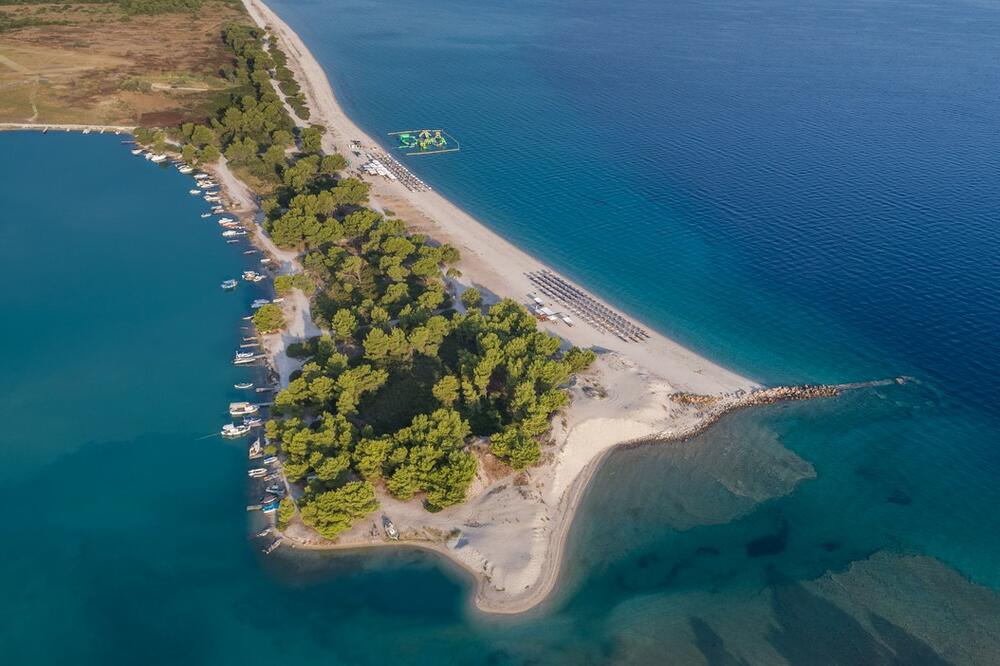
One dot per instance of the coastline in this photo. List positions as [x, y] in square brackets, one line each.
[511, 531]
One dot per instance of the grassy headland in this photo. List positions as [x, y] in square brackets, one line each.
[115, 62]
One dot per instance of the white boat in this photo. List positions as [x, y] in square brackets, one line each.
[193, 192]
[229, 284]
[206, 215]
[259, 303]
[200, 176]
[185, 169]
[253, 276]
[230, 233]
[253, 422]
[230, 430]
[244, 361]
[270, 549]
[257, 472]
[278, 300]
[159, 157]
[242, 408]
[270, 460]
[226, 220]
[137, 151]
[243, 385]
[240, 354]
[207, 184]
[390, 529]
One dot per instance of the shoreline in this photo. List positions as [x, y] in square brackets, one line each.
[513, 528]
[514, 543]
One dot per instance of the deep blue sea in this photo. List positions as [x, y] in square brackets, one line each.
[804, 191]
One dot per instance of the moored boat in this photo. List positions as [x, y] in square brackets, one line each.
[252, 421]
[230, 430]
[242, 408]
[390, 529]
[229, 284]
[256, 473]
[270, 460]
[243, 385]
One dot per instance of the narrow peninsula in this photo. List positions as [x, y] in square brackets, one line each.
[436, 386]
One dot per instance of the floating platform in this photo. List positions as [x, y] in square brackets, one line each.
[426, 142]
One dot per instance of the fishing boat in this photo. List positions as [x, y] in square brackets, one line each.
[256, 472]
[230, 430]
[243, 385]
[390, 529]
[242, 408]
[229, 284]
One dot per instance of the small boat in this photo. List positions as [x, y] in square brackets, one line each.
[278, 300]
[207, 184]
[270, 460]
[259, 303]
[253, 276]
[229, 284]
[264, 532]
[272, 476]
[275, 489]
[137, 151]
[229, 233]
[253, 422]
[255, 449]
[157, 158]
[242, 408]
[268, 499]
[244, 361]
[251, 251]
[206, 215]
[226, 220]
[245, 354]
[200, 176]
[270, 549]
[86, 131]
[230, 430]
[193, 192]
[256, 472]
[243, 385]
[185, 169]
[390, 529]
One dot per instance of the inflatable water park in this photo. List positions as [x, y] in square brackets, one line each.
[425, 142]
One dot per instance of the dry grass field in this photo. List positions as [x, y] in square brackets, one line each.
[92, 63]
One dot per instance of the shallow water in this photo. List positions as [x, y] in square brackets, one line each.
[805, 191]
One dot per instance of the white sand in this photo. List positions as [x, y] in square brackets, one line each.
[510, 536]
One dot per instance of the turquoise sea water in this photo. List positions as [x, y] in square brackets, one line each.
[805, 191]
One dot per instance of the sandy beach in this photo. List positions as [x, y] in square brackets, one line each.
[511, 530]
